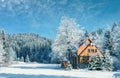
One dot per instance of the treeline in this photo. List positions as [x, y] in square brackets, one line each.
[37, 48]
[19, 47]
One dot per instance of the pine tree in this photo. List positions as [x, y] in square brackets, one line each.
[100, 31]
[6, 47]
[93, 36]
[99, 40]
[108, 42]
[87, 35]
[22, 59]
[96, 63]
[116, 43]
[91, 65]
[2, 51]
[114, 26]
[2, 54]
[108, 61]
[27, 59]
[5, 50]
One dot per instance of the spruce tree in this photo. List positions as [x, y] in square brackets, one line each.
[91, 65]
[108, 42]
[116, 43]
[100, 31]
[6, 48]
[108, 61]
[96, 63]
[27, 59]
[87, 34]
[22, 59]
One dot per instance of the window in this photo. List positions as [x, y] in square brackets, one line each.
[85, 59]
[89, 50]
[92, 50]
[95, 50]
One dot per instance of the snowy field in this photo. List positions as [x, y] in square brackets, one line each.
[35, 70]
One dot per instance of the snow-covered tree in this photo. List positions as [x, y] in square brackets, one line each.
[38, 48]
[87, 34]
[22, 59]
[100, 31]
[116, 45]
[27, 59]
[93, 36]
[2, 54]
[97, 37]
[96, 63]
[108, 64]
[5, 49]
[2, 51]
[9, 53]
[114, 26]
[116, 39]
[91, 65]
[68, 37]
[108, 42]
[99, 63]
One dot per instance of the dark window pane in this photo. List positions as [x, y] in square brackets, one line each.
[88, 50]
[92, 50]
[95, 50]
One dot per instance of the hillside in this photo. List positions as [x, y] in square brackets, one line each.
[37, 48]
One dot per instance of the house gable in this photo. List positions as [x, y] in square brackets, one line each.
[91, 50]
[83, 46]
[88, 49]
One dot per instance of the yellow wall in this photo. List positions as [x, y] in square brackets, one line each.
[87, 54]
[83, 51]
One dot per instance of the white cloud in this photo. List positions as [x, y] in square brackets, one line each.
[53, 8]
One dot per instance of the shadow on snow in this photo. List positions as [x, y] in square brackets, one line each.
[116, 75]
[36, 67]
[32, 76]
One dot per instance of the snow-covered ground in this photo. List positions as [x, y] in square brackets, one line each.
[35, 70]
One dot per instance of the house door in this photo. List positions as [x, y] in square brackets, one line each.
[75, 61]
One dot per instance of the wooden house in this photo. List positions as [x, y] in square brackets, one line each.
[84, 52]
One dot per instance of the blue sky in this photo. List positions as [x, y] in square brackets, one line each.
[43, 16]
